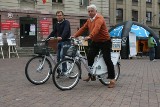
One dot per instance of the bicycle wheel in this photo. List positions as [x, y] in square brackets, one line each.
[38, 70]
[66, 74]
[103, 78]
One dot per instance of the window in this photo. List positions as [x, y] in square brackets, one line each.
[57, 1]
[119, 1]
[159, 17]
[28, 1]
[84, 2]
[149, 1]
[119, 14]
[0, 23]
[148, 16]
[134, 0]
[82, 22]
[134, 15]
[27, 4]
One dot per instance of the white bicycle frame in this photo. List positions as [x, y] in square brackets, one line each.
[99, 67]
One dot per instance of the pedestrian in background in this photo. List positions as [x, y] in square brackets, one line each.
[151, 46]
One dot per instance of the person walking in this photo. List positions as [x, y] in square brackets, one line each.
[151, 45]
[101, 40]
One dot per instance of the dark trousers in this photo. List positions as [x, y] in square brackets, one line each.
[105, 47]
[151, 53]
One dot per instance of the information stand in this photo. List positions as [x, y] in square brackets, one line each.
[116, 46]
[11, 45]
[132, 44]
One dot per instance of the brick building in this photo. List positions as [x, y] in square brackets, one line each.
[143, 11]
[31, 20]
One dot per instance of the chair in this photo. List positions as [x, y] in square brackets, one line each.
[82, 46]
[82, 49]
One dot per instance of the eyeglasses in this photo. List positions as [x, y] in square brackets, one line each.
[59, 15]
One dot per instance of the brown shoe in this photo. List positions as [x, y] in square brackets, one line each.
[112, 83]
[93, 78]
[87, 79]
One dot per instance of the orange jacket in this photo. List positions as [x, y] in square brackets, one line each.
[97, 28]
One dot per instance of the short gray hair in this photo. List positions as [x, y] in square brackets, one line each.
[92, 6]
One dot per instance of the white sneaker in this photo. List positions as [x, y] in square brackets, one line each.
[154, 60]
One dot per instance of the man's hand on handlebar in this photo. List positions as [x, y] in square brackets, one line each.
[59, 38]
[87, 38]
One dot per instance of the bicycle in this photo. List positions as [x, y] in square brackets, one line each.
[39, 68]
[69, 79]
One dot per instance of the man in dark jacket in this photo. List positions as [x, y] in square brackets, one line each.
[62, 32]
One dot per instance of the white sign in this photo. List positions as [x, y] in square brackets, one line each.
[1, 39]
[11, 42]
[1, 42]
[32, 27]
[132, 44]
[10, 15]
[116, 44]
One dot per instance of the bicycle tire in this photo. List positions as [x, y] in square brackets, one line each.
[68, 79]
[103, 78]
[35, 72]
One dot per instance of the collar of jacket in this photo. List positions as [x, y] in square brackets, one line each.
[93, 18]
[61, 21]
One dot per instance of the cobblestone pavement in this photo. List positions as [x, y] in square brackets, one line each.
[138, 86]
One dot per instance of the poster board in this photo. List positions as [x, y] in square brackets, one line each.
[132, 44]
[1, 39]
[116, 44]
[11, 40]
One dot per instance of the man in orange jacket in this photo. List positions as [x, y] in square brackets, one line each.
[100, 41]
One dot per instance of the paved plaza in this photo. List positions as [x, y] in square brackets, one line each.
[138, 86]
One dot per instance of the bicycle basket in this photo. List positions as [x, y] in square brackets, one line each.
[71, 52]
[41, 48]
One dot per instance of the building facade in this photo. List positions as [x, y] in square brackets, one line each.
[32, 20]
[143, 11]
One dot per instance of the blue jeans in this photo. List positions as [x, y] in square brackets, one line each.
[60, 53]
[151, 53]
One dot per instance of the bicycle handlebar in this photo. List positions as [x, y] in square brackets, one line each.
[76, 41]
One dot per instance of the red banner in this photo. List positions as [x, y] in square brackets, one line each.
[45, 33]
[44, 26]
[15, 25]
[8, 24]
[44, 1]
[5, 26]
[45, 22]
[10, 21]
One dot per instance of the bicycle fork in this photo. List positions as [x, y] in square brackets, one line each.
[70, 68]
[41, 64]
